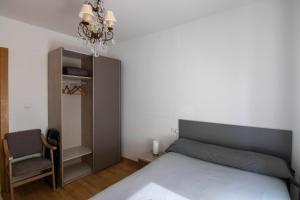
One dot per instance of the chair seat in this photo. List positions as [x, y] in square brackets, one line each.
[30, 165]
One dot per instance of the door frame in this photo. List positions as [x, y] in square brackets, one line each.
[3, 113]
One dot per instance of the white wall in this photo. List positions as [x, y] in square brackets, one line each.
[296, 97]
[28, 54]
[231, 67]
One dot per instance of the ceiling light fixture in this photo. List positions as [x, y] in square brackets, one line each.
[96, 26]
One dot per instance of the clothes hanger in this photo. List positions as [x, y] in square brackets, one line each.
[79, 89]
[82, 90]
[66, 90]
[74, 89]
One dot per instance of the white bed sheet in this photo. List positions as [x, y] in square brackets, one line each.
[177, 177]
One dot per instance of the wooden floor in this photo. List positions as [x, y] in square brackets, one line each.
[80, 189]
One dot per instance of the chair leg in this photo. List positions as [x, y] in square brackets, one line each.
[53, 180]
[6, 184]
[11, 188]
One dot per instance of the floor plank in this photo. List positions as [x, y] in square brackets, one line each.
[80, 189]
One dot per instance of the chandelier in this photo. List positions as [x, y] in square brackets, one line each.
[96, 26]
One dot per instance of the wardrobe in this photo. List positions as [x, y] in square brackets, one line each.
[89, 119]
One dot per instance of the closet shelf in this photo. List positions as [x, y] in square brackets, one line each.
[76, 171]
[77, 77]
[75, 152]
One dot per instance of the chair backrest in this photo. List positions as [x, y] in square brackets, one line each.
[24, 143]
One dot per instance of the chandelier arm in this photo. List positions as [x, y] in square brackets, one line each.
[103, 31]
[105, 38]
[81, 32]
[86, 31]
[111, 34]
[85, 34]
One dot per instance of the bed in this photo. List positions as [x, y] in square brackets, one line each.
[179, 176]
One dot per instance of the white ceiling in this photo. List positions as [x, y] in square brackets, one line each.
[135, 17]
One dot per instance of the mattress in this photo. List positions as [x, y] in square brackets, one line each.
[175, 176]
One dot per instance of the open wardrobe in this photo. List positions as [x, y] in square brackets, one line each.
[84, 106]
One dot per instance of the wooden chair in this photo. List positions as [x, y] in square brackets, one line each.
[25, 161]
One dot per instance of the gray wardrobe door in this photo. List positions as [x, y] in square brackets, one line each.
[107, 133]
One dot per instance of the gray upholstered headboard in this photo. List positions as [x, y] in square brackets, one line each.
[268, 141]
